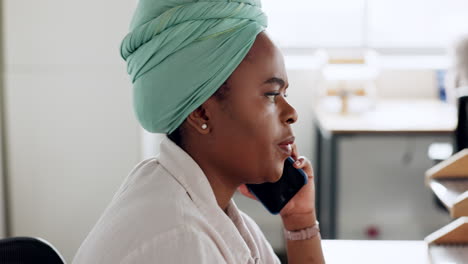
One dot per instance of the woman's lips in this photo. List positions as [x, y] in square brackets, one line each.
[286, 145]
[286, 148]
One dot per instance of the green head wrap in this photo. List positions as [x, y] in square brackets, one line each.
[179, 52]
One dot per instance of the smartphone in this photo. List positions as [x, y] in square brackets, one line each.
[274, 196]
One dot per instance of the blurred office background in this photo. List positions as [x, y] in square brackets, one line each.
[69, 136]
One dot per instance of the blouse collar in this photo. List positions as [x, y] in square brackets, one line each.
[192, 178]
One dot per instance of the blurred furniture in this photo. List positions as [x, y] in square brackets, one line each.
[28, 250]
[371, 252]
[441, 151]
[449, 182]
[389, 252]
[348, 78]
[368, 167]
[449, 244]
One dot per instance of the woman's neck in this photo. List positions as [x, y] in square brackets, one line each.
[222, 189]
[220, 180]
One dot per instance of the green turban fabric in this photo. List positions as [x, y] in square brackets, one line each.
[179, 52]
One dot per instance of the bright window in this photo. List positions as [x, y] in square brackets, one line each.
[416, 23]
[372, 23]
[305, 23]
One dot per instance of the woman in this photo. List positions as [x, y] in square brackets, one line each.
[208, 75]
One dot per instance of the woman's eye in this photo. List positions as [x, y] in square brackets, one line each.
[272, 96]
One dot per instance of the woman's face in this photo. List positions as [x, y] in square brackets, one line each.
[251, 134]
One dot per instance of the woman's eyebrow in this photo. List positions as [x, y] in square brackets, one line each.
[277, 80]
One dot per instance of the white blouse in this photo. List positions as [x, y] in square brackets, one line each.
[166, 212]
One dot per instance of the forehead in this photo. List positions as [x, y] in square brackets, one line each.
[262, 46]
[265, 58]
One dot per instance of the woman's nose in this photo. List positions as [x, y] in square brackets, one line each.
[290, 114]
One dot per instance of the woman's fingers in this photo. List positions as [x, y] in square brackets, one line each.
[294, 153]
[304, 164]
[300, 162]
[245, 191]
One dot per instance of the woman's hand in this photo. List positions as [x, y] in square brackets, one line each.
[299, 212]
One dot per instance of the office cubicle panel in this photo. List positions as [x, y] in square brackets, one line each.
[381, 190]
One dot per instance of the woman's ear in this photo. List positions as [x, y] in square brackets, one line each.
[199, 120]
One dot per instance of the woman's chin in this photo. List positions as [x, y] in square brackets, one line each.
[274, 177]
[270, 176]
[269, 179]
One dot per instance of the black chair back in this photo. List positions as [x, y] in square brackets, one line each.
[461, 133]
[28, 250]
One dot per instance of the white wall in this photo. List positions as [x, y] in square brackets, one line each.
[71, 133]
[407, 83]
[2, 178]
[2, 156]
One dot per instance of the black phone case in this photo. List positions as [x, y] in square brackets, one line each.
[274, 196]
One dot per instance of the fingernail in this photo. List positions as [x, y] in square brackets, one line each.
[298, 162]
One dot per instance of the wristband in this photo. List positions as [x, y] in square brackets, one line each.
[303, 234]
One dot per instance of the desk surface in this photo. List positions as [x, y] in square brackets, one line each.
[393, 116]
[371, 252]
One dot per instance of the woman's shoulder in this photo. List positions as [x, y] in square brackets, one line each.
[148, 206]
[152, 191]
